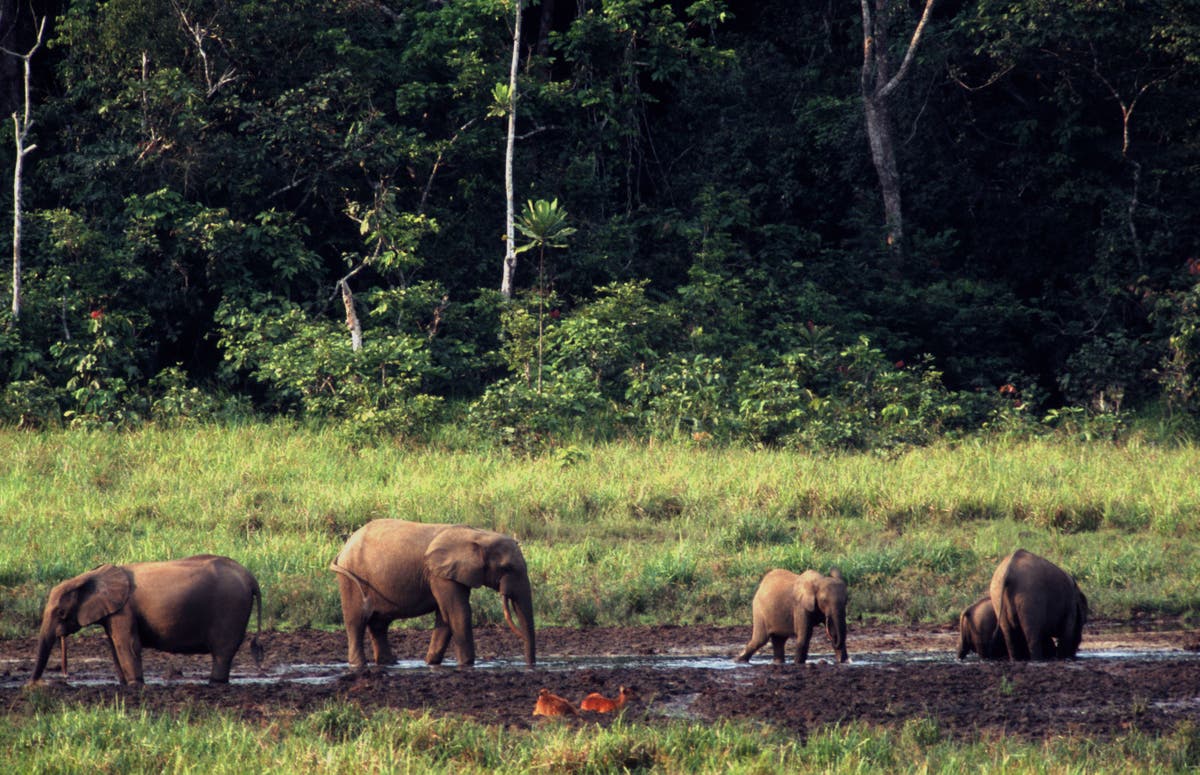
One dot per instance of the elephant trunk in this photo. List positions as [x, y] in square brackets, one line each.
[964, 636]
[520, 598]
[45, 646]
[835, 627]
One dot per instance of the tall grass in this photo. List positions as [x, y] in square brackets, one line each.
[340, 738]
[613, 533]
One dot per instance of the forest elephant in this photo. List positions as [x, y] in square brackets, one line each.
[392, 569]
[1039, 608]
[789, 605]
[197, 605]
[978, 632]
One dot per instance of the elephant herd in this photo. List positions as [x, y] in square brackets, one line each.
[393, 569]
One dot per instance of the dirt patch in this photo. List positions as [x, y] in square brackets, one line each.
[1143, 675]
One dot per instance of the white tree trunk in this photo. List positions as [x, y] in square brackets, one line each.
[510, 234]
[21, 127]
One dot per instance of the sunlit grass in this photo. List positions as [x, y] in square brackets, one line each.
[345, 738]
[614, 533]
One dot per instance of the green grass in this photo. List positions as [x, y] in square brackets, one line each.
[340, 738]
[613, 533]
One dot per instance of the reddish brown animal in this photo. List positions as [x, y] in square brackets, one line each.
[598, 703]
[549, 704]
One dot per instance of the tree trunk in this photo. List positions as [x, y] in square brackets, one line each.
[21, 127]
[510, 235]
[883, 155]
[877, 85]
[352, 322]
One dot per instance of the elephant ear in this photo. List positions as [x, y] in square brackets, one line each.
[102, 593]
[458, 553]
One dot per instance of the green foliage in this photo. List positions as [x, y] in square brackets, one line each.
[1180, 369]
[721, 199]
[102, 371]
[544, 224]
[30, 404]
[682, 396]
[176, 404]
[309, 366]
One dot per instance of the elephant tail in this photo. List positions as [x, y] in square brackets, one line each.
[256, 649]
[364, 588]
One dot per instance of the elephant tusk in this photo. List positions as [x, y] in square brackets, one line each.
[63, 641]
[508, 601]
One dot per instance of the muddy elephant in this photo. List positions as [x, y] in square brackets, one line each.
[978, 632]
[197, 605]
[789, 605]
[392, 569]
[1040, 610]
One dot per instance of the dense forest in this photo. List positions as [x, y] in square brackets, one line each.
[817, 224]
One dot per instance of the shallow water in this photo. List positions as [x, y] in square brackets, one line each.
[97, 673]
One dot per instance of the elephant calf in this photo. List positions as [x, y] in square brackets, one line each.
[979, 633]
[789, 605]
[1040, 610]
[197, 605]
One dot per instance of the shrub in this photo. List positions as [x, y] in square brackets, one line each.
[310, 365]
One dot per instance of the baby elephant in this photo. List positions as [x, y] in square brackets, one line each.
[978, 631]
[788, 605]
[198, 605]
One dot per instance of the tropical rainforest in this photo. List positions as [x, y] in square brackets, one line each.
[828, 225]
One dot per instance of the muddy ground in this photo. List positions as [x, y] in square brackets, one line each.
[1143, 675]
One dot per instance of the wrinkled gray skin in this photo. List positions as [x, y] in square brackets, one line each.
[788, 605]
[978, 632]
[197, 605]
[1039, 608]
[392, 569]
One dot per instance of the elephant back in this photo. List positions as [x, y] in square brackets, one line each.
[388, 555]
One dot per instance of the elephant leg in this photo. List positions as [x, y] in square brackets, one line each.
[438, 640]
[112, 650]
[454, 605]
[222, 665]
[379, 641]
[127, 648]
[758, 638]
[355, 620]
[1014, 642]
[1041, 647]
[778, 644]
[803, 636]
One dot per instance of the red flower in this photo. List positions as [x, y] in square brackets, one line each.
[900, 364]
[555, 314]
[97, 314]
[1008, 390]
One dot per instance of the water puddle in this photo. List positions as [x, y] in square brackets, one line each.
[97, 673]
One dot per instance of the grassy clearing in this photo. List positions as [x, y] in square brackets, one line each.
[344, 738]
[613, 533]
